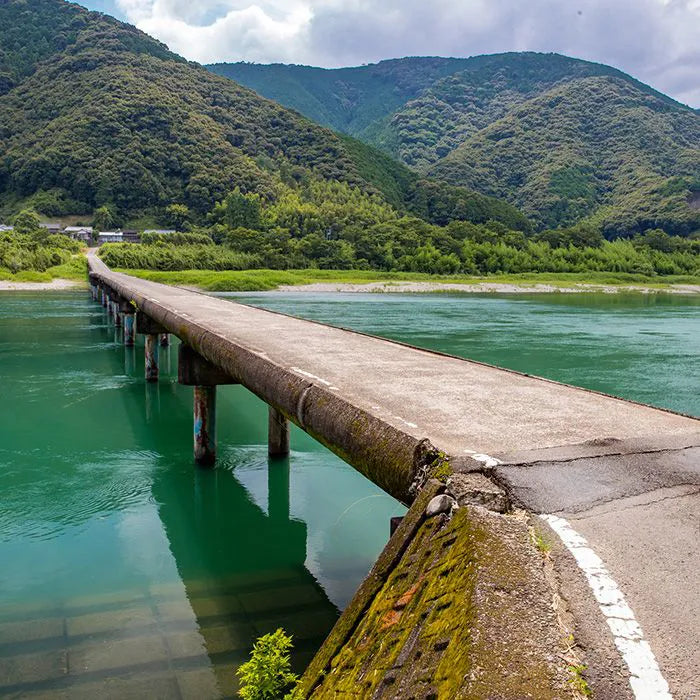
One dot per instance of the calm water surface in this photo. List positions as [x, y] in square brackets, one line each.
[641, 347]
[126, 572]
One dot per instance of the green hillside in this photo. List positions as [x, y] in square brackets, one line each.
[94, 112]
[344, 99]
[563, 139]
[596, 147]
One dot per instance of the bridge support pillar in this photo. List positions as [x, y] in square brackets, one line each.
[93, 286]
[117, 314]
[277, 434]
[151, 354]
[128, 324]
[103, 296]
[126, 314]
[111, 306]
[164, 340]
[205, 425]
[152, 330]
[195, 370]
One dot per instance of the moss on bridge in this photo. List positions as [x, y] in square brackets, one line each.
[457, 606]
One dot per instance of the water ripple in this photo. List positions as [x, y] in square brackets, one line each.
[42, 506]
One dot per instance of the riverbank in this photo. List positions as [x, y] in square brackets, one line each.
[71, 275]
[52, 286]
[406, 282]
[487, 288]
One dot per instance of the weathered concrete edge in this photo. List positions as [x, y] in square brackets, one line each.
[389, 457]
[353, 613]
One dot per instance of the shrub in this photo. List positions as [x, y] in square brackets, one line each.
[268, 675]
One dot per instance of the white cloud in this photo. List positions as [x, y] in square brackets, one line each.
[654, 40]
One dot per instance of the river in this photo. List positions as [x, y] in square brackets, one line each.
[124, 570]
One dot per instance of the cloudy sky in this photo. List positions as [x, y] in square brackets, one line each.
[657, 41]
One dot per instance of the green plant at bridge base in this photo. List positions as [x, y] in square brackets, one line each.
[268, 675]
[578, 682]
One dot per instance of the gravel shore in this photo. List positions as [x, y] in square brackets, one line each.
[53, 285]
[485, 288]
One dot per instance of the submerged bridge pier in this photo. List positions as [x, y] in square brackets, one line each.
[530, 561]
[151, 330]
[196, 371]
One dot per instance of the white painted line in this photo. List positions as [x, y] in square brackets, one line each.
[645, 676]
[403, 420]
[311, 376]
[487, 460]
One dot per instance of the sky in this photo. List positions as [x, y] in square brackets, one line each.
[656, 41]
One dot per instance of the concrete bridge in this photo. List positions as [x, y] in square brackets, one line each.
[551, 540]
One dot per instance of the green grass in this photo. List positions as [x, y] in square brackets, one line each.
[24, 276]
[264, 280]
[74, 270]
[578, 682]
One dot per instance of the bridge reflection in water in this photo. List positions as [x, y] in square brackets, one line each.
[117, 615]
[244, 576]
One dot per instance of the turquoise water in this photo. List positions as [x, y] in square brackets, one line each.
[640, 347]
[125, 567]
[126, 571]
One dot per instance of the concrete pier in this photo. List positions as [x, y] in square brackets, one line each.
[194, 370]
[205, 425]
[151, 355]
[277, 434]
[128, 322]
[145, 325]
[126, 316]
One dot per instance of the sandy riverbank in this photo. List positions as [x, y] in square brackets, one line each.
[487, 288]
[53, 285]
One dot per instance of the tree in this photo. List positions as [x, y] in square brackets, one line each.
[178, 216]
[103, 219]
[238, 210]
[27, 221]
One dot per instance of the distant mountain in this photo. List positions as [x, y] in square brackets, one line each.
[93, 112]
[345, 99]
[563, 139]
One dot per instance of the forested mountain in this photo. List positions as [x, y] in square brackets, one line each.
[596, 147]
[94, 112]
[562, 138]
[345, 99]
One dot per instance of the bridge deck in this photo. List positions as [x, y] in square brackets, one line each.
[462, 407]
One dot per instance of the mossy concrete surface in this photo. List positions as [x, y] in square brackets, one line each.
[464, 612]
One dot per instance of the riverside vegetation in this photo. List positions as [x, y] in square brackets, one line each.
[253, 185]
[330, 226]
[30, 254]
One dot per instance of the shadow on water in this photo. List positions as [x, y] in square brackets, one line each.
[124, 567]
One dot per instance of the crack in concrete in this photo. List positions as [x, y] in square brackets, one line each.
[584, 515]
[631, 453]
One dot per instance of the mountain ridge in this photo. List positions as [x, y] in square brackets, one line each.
[95, 112]
[430, 129]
